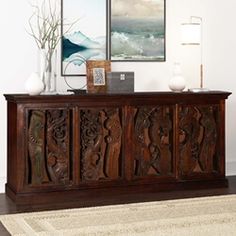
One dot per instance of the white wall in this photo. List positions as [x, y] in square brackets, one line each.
[18, 58]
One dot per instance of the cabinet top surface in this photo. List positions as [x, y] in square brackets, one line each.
[117, 96]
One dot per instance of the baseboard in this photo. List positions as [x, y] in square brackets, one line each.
[57, 196]
[230, 168]
[2, 184]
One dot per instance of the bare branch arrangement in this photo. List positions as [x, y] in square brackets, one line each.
[45, 27]
[45, 24]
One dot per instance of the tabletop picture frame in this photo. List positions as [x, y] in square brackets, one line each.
[97, 75]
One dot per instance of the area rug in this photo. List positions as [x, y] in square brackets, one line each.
[190, 217]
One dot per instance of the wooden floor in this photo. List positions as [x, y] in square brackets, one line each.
[8, 207]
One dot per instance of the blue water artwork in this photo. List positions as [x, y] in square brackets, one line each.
[87, 38]
[137, 30]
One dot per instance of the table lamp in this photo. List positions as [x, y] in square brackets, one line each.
[192, 35]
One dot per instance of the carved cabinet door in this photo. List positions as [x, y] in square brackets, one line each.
[153, 155]
[101, 133]
[48, 141]
[199, 141]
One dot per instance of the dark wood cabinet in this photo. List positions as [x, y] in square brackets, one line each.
[68, 146]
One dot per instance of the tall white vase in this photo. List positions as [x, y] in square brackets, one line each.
[177, 82]
[48, 70]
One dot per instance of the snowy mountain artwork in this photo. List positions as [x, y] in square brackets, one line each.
[87, 38]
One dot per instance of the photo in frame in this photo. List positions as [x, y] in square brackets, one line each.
[97, 75]
[137, 30]
[84, 34]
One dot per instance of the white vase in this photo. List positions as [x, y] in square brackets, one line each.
[48, 70]
[34, 85]
[177, 82]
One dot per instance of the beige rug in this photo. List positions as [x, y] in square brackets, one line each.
[196, 216]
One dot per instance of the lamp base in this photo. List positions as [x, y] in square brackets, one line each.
[198, 90]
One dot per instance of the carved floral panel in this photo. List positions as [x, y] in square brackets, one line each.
[48, 147]
[153, 154]
[101, 142]
[198, 135]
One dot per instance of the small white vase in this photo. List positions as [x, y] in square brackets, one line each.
[177, 82]
[34, 85]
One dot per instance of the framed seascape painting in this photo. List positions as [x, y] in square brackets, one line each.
[137, 30]
[84, 34]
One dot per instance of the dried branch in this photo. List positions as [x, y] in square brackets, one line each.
[45, 23]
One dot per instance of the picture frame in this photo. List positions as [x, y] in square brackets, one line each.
[84, 34]
[97, 75]
[137, 30]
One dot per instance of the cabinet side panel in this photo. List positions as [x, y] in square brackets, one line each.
[12, 145]
[221, 140]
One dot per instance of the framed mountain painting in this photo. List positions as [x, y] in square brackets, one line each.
[84, 34]
[137, 30]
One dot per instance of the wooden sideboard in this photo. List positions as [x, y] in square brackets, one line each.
[62, 147]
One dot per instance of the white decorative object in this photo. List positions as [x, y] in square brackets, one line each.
[177, 82]
[48, 70]
[45, 25]
[34, 85]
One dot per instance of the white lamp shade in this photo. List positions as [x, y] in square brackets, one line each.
[191, 33]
